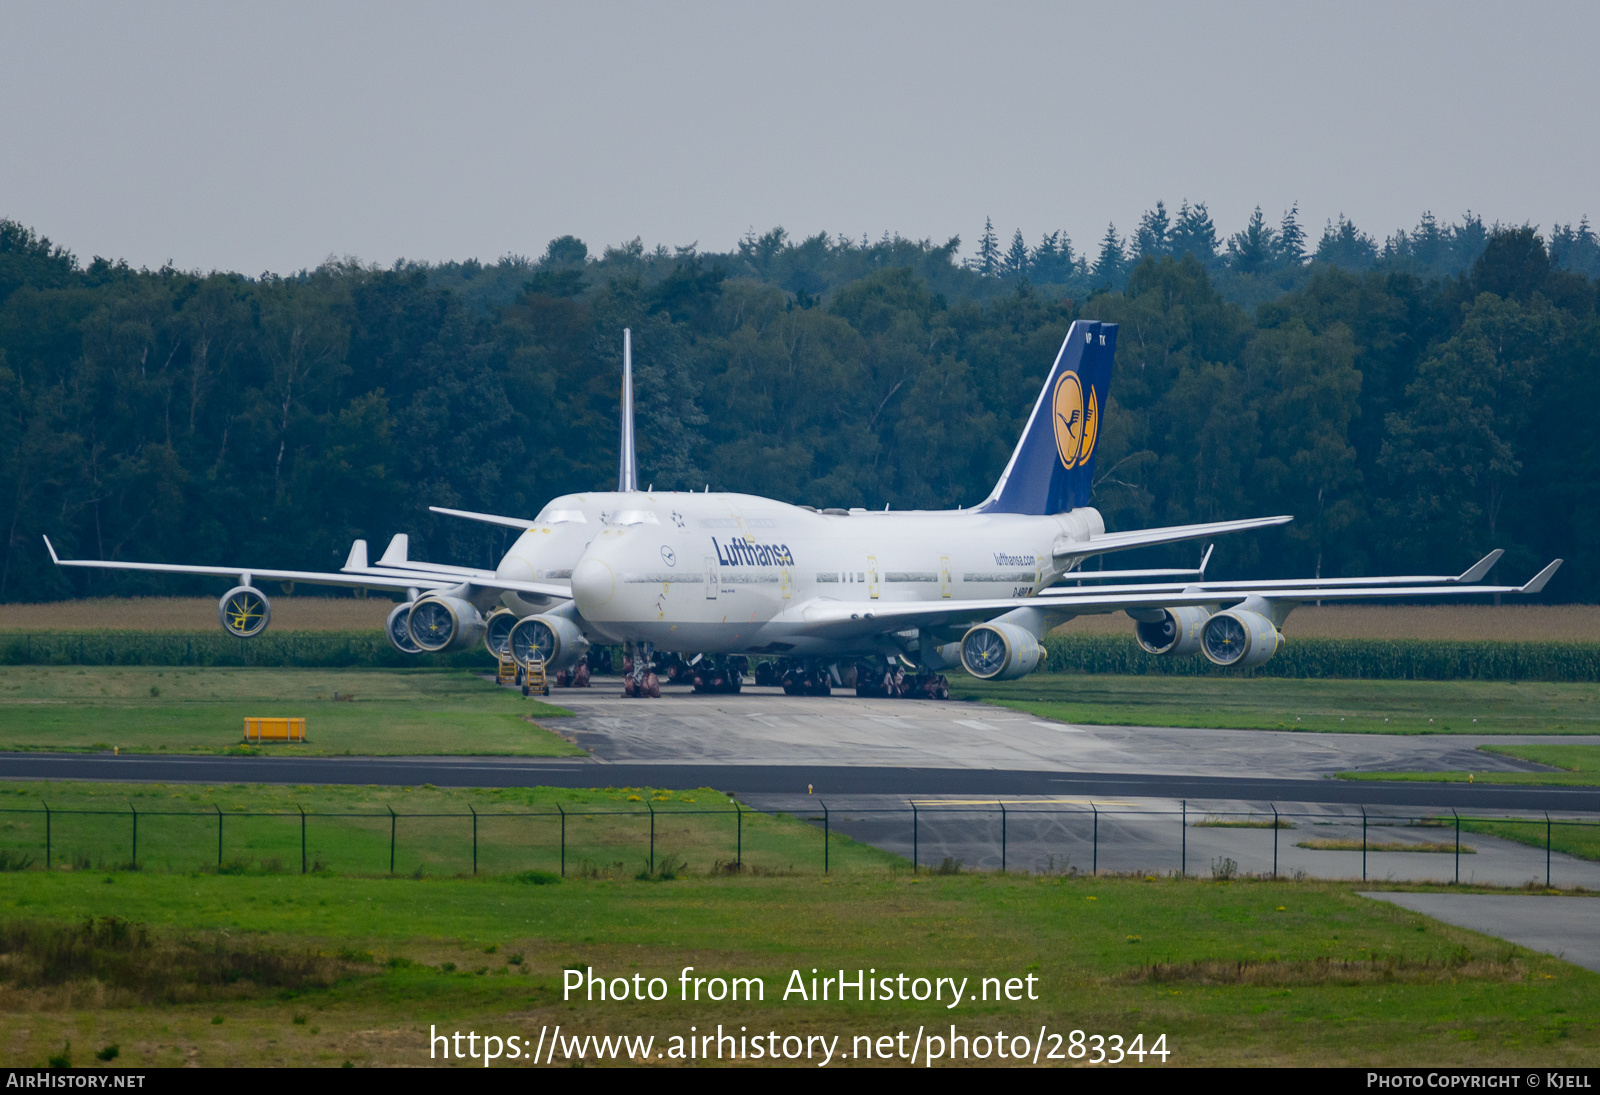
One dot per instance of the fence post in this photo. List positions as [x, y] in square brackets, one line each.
[1274, 806]
[1547, 849]
[825, 834]
[474, 837]
[135, 813]
[1002, 838]
[391, 839]
[914, 858]
[738, 851]
[218, 809]
[1363, 843]
[302, 810]
[1458, 847]
[1183, 868]
[651, 807]
[46, 834]
[563, 840]
[1095, 865]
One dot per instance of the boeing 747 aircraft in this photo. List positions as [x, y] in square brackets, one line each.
[724, 576]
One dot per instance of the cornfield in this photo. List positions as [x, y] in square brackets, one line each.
[1370, 659]
[305, 649]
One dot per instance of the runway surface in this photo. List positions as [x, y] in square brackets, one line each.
[1567, 927]
[782, 778]
[763, 742]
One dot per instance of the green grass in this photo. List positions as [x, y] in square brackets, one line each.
[1581, 764]
[143, 709]
[1242, 973]
[1581, 839]
[1583, 759]
[607, 832]
[1263, 703]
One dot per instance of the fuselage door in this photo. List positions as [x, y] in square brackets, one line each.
[872, 577]
[784, 583]
[944, 576]
[711, 577]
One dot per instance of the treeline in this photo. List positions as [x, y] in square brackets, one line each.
[1411, 419]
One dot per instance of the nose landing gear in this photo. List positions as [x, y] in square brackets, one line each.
[639, 679]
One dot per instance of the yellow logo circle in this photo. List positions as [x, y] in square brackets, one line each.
[1091, 428]
[1067, 408]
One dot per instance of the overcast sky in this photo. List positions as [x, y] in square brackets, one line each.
[268, 136]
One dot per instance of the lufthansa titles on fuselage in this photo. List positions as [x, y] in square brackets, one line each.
[745, 553]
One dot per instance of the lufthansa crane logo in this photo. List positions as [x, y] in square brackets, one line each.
[1077, 422]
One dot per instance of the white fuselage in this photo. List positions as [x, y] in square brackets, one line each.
[731, 573]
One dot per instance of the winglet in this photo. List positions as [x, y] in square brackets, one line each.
[1477, 571]
[358, 556]
[54, 558]
[1537, 582]
[1206, 558]
[397, 549]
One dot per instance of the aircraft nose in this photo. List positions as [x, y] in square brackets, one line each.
[593, 583]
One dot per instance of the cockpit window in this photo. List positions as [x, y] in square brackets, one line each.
[635, 517]
[562, 516]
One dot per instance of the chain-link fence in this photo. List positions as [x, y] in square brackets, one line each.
[941, 837]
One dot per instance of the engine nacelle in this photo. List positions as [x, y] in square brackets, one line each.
[438, 624]
[396, 627]
[1176, 633]
[999, 652]
[244, 612]
[497, 631]
[558, 640]
[1239, 638]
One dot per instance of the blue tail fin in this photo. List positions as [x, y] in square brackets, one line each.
[1052, 468]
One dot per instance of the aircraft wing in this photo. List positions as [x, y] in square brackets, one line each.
[1474, 573]
[392, 580]
[486, 518]
[845, 619]
[1150, 537]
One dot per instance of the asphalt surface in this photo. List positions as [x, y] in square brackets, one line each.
[1567, 927]
[779, 778]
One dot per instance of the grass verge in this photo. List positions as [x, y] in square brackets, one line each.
[1247, 972]
[1345, 844]
[365, 712]
[1581, 839]
[1580, 764]
[1270, 703]
[606, 832]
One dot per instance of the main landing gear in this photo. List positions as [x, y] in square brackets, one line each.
[719, 673]
[890, 680]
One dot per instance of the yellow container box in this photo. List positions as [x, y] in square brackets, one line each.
[293, 729]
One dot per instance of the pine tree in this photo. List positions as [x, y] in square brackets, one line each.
[1342, 245]
[1016, 261]
[1194, 234]
[1251, 250]
[1113, 258]
[987, 260]
[1291, 238]
[1154, 235]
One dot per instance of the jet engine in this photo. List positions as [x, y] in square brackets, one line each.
[497, 630]
[1174, 631]
[399, 633]
[244, 612]
[999, 652]
[557, 639]
[1239, 637]
[438, 624]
